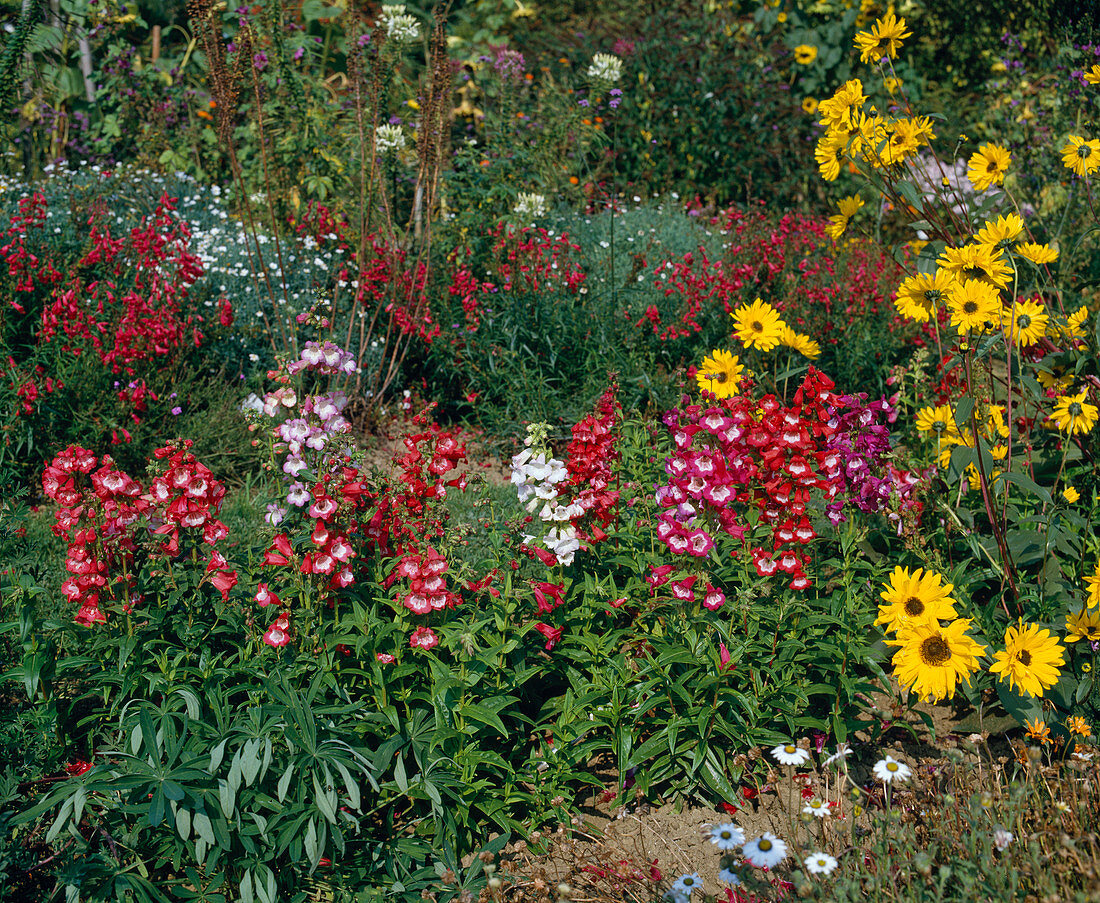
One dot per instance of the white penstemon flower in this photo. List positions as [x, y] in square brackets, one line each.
[605, 67]
[530, 205]
[388, 139]
[536, 476]
[400, 26]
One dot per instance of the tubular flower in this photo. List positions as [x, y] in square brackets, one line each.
[973, 303]
[758, 325]
[919, 296]
[1073, 414]
[987, 166]
[720, 374]
[914, 598]
[1030, 660]
[884, 39]
[1082, 155]
[933, 659]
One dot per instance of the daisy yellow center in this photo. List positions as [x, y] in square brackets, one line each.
[891, 766]
[934, 651]
[971, 307]
[789, 750]
[1024, 657]
[764, 844]
[914, 607]
[726, 835]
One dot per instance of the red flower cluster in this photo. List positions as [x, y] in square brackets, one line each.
[102, 513]
[427, 576]
[25, 267]
[737, 454]
[589, 460]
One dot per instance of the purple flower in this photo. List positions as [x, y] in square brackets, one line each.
[176, 411]
[260, 61]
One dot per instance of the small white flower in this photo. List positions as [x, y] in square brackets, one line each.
[387, 139]
[767, 851]
[530, 206]
[820, 864]
[1002, 839]
[729, 876]
[400, 26]
[686, 884]
[890, 769]
[817, 808]
[727, 836]
[1062, 806]
[843, 750]
[606, 67]
[789, 754]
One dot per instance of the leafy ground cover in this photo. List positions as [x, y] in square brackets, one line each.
[450, 454]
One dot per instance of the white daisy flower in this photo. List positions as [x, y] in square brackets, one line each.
[843, 750]
[767, 851]
[890, 769]
[727, 836]
[817, 808]
[729, 876]
[820, 864]
[686, 884]
[789, 754]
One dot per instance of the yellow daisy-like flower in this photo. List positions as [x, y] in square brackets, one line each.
[977, 262]
[973, 303]
[1082, 155]
[1036, 253]
[892, 84]
[1093, 75]
[1002, 233]
[1026, 322]
[914, 598]
[884, 39]
[758, 325]
[1030, 660]
[804, 54]
[1073, 414]
[1079, 726]
[1075, 323]
[796, 341]
[1057, 382]
[839, 221]
[933, 660]
[838, 111]
[939, 421]
[829, 153]
[1038, 731]
[1092, 584]
[809, 105]
[1083, 625]
[1071, 495]
[920, 296]
[720, 374]
[988, 165]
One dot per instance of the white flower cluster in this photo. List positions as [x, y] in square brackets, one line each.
[605, 67]
[388, 139]
[400, 26]
[536, 476]
[530, 206]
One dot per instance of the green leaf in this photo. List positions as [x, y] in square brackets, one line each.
[183, 822]
[284, 782]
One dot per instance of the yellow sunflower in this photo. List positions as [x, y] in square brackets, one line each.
[933, 660]
[1030, 659]
[804, 54]
[1083, 625]
[796, 341]
[1082, 155]
[1093, 75]
[758, 325]
[939, 420]
[973, 303]
[920, 296]
[977, 262]
[1001, 233]
[914, 599]
[809, 105]
[1075, 323]
[837, 112]
[828, 154]
[1092, 584]
[720, 374]
[1036, 253]
[884, 39]
[1073, 414]
[987, 166]
[839, 221]
[1071, 495]
[1026, 322]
